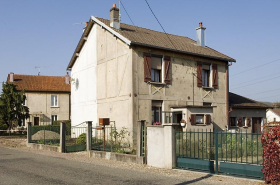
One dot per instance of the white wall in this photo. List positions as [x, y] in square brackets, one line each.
[270, 115]
[83, 99]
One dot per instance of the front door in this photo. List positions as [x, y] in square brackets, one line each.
[256, 122]
[36, 120]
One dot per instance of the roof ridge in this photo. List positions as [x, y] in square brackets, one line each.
[38, 75]
[250, 99]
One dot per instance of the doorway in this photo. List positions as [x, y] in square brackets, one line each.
[36, 121]
[256, 122]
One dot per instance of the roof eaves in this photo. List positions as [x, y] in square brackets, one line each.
[80, 45]
[180, 51]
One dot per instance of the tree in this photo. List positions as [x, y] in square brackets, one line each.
[11, 105]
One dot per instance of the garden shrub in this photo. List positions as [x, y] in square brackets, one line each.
[82, 139]
[271, 155]
[3, 126]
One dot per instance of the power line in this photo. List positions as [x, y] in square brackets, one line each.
[256, 82]
[255, 79]
[160, 24]
[256, 67]
[263, 92]
[164, 30]
[127, 13]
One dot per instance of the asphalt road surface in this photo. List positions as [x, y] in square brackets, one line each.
[24, 167]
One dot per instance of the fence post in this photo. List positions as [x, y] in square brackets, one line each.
[216, 151]
[89, 134]
[62, 137]
[28, 133]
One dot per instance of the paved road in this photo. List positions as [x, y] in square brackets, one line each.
[24, 167]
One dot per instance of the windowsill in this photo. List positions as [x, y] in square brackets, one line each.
[54, 106]
[200, 124]
[157, 83]
[210, 88]
[245, 126]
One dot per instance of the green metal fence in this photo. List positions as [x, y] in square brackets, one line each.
[47, 135]
[75, 139]
[232, 153]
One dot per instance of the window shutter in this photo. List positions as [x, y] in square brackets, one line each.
[167, 70]
[215, 76]
[193, 119]
[248, 122]
[208, 119]
[240, 122]
[147, 67]
[199, 74]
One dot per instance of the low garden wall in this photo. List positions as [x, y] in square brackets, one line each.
[117, 157]
[44, 147]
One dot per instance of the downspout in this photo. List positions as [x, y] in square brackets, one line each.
[227, 93]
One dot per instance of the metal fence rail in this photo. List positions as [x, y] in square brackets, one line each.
[47, 134]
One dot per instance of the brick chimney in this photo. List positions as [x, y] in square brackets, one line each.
[11, 77]
[200, 33]
[67, 78]
[115, 17]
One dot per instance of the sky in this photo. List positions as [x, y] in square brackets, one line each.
[42, 35]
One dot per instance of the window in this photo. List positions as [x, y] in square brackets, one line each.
[156, 112]
[54, 101]
[200, 119]
[207, 75]
[232, 121]
[54, 118]
[156, 68]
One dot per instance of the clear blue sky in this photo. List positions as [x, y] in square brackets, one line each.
[41, 33]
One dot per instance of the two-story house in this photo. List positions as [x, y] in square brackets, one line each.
[128, 74]
[47, 97]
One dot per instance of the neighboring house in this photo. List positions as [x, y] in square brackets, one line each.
[128, 74]
[273, 115]
[246, 114]
[47, 97]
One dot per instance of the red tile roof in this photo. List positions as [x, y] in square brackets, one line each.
[276, 111]
[34, 83]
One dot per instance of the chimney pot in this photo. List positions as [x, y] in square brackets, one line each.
[200, 24]
[114, 6]
[11, 77]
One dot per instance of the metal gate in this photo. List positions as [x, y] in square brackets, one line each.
[230, 153]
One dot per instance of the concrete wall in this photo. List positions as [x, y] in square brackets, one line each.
[84, 96]
[39, 104]
[270, 116]
[161, 146]
[181, 91]
[247, 113]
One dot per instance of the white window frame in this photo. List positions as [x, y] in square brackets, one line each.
[53, 102]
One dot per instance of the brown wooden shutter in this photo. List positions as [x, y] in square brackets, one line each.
[193, 119]
[248, 122]
[215, 76]
[208, 119]
[199, 74]
[167, 70]
[147, 67]
[240, 119]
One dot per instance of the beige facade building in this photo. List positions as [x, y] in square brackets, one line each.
[132, 74]
[47, 97]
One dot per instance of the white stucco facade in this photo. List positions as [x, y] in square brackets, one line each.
[272, 116]
[83, 83]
